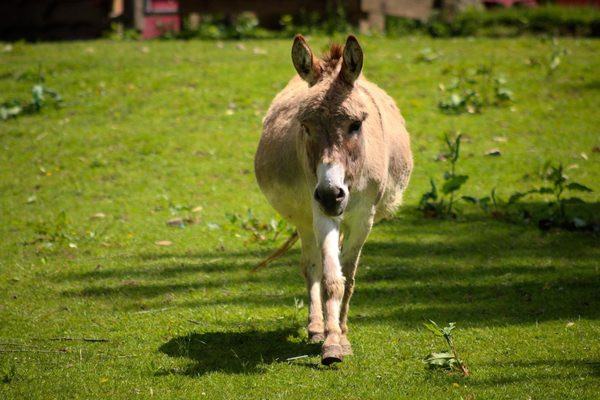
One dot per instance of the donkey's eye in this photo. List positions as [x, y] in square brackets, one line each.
[354, 127]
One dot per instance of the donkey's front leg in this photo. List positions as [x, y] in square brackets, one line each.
[356, 229]
[327, 232]
[313, 273]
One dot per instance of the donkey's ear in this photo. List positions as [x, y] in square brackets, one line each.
[304, 62]
[353, 60]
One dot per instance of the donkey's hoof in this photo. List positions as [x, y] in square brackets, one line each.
[332, 354]
[317, 337]
[346, 346]
[347, 349]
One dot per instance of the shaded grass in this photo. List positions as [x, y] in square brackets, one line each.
[150, 127]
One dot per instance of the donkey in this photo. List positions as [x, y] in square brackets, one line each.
[334, 157]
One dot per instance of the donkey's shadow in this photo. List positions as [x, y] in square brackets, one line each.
[236, 352]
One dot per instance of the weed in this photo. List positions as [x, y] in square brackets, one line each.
[8, 374]
[442, 206]
[488, 204]
[554, 59]
[298, 305]
[427, 55]
[472, 90]
[557, 208]
[257, 231]
[58, 232]
[54, 232]
[39, 96]
[445, 360]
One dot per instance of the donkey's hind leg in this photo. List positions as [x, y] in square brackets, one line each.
[309, 262]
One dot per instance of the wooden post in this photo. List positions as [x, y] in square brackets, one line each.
[138, 15]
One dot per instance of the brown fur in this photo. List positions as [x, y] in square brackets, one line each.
[331, 59]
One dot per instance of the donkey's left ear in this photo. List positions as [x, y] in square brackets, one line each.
[353, 60]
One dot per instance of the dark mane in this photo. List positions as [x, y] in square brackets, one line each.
[331, 58]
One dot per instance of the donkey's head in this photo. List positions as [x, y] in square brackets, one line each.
[331, 119]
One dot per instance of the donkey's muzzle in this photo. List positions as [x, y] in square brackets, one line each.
[332, 199]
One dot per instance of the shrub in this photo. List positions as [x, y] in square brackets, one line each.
[547, 19]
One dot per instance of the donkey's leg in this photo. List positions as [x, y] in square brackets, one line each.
[356, 230]
[327, 233]
[311, 269]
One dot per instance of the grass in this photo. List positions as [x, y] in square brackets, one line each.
[150, 131]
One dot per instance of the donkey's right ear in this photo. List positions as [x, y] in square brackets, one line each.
[304, 62]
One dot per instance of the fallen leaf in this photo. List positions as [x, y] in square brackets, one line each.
[163, 243]
[493, 152]
[500, 139]
[31, 199]
[103, 380]
[175, 222]
[99, 215]
[584, 156]
[241, 46]
[596, 149]
[570, 324]
[144, 49]
[259, 51]
[466, 138]
[197, 209]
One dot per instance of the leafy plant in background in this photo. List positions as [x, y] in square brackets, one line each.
[488, 204]
[257, 231]
[118, 32]
[445, 360]
[336, 20]
[554, 59]
[40, 96]
[472, 90]
[427, 55]
[218, 26]
[557, 207]
[247, 26]
[441, 205]
[502, 22]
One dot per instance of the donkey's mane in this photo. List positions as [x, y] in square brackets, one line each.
[332, 57]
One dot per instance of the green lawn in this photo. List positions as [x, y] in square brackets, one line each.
[151, 130]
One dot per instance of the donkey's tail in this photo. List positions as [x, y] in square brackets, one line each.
[277, 253]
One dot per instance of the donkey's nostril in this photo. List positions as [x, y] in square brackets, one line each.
[317, 196]
[331, 199]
